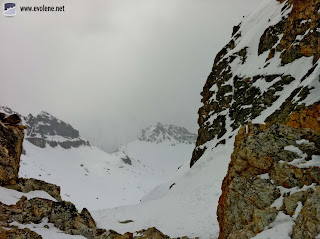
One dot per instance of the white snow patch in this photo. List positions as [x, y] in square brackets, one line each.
[297, 211]
[11, 197]
[264, 176]
[280, 228]
[302, 141]
[279, 201]
[48, 233]
[301, 162]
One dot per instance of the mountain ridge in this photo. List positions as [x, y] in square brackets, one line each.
[159, 132]
[44, 130]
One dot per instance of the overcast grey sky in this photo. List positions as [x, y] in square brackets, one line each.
[112, 67]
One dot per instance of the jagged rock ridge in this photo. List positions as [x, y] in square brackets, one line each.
[158, 133]
[46, 130]
[268, 69]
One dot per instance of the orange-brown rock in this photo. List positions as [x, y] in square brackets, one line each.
[303, 20]
[151, 233]
[11, 138]
[15, 233]
[260, 165]
[306, 118]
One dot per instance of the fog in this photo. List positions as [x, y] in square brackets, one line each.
[112, 67]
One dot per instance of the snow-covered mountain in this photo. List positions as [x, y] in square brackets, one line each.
[158, 133]
[46, 130]
[92, 178]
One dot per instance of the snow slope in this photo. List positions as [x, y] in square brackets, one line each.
[187, 209]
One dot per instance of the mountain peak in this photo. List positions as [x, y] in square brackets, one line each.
[45, 129]
[159, 133]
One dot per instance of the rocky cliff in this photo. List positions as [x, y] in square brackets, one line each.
[265, 88]
[268, 69]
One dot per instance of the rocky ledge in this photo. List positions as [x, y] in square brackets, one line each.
[274, 175]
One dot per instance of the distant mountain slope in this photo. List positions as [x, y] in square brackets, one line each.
[159, 133]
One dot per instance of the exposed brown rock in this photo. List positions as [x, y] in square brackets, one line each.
[151, 233]
[293, 26]
[307, 225]
[13, 119]
[14, 233]
[245, 204]
[306, 118]
[11, 138]
[26, 185]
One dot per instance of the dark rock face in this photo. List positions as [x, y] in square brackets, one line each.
[46, 130]
[46, 124]
[159, 132]
[13, 119]
[265, 167]
[127, 160]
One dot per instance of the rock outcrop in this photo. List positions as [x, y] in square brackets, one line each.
[26, 185]
[274, 168]
[11, 138]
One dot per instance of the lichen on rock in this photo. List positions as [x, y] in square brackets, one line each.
[250, 202]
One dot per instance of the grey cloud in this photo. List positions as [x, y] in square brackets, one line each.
[116, 68]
